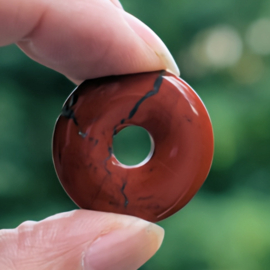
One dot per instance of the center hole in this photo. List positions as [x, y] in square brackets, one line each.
[133, 146]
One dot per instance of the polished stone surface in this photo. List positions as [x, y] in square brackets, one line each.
[168, 109]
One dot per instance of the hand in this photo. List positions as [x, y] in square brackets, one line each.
[81, 39]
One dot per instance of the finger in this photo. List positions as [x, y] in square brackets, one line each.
[80, 240]
[117, 3]
[83, 39]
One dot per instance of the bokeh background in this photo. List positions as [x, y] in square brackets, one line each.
[222, 48]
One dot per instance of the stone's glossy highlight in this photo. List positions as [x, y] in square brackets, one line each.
[168, 109]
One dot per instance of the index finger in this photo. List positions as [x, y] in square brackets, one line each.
[83, 39]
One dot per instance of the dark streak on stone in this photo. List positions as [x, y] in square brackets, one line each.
[59, 156]
[82, 134]
[91, 139]
[68, 112]
[151, 169]
[188, 119]
[90, 165]
[106, 159]
[125, 196]
[73, 100]
[114, 130]
[153, 92]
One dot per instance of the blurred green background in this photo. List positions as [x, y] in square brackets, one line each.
[222, 48]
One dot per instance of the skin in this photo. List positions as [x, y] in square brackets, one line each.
[81, 39]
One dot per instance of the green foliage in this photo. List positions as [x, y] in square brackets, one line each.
[132, 145]
[225, 232]
[226, 226]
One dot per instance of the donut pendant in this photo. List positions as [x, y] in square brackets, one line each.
[181, 135]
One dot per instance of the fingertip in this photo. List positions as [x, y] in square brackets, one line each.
[158, 232]
[117, 3]
[154, 42]
[89, 239]
[127, 248]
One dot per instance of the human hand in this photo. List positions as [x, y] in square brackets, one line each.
[81, 39]
[82, 240]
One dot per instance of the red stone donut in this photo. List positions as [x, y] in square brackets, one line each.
[168, 109]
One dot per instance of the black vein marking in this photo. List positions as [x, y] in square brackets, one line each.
[188, 119]
[125, 196]
[73, 100]
[106, 159]
[91, 139]
[110, 151]
[151, 93]
[82, 134]
[114, 130]
[68, 112]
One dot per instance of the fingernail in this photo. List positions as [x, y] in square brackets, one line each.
[125, 248]
[151, 38]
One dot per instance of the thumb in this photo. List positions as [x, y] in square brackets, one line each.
[80, 240]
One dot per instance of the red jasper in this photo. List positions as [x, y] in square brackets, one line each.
[168, 109]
